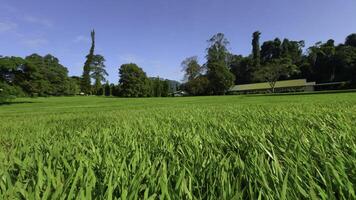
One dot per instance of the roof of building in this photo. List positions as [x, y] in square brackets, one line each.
[266, 85]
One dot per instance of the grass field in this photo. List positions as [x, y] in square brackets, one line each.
[230, 147]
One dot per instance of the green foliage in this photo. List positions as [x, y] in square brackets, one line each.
[197, 86]
[256, 52]
[73, 85]
[43, 76]
[115, 90]
[9, 66]
[271, 50]
[351, 40]
[98, 73]
[274, 70]
[8, 92]
[85, 84]
[219, 76]
[133, 81]
[107, 89]
[242, 68]
[196, 83]
[230, 147]
[191, 68]
[326, 62]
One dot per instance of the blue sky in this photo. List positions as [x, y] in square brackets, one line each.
[159, 34]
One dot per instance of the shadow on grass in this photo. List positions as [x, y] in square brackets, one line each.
[15, 102]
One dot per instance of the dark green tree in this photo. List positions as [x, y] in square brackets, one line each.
[98, 73]
[86, 85]
[322, 62]
[197, 86]
[270, 50]
[292, 50]
[133, 81]
[165, 88]
[107, 89]
[256, 52]
[242, 68]
[351, 40]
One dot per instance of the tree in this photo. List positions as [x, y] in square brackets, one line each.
[165, 88]
[345, 60]
[85, 85]
[322, 62]
[9, 92]
[73, 86]
[274, 70]
[351, 40]
[197, 86]
[191, 68]
[270, 50]
[42, 76]
[56, 74]
[242, 68]
[9, 66]
[219, 76]
[256, 49]
[196, 83]
[107, 89]
[156, 87]
[292, 50]
[116, 90]
[98, 73]
[133, 81]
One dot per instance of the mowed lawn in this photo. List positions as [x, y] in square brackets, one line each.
[221, 147]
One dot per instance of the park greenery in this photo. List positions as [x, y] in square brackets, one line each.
[274, 60]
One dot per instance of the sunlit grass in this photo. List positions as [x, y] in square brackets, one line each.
[232, 147]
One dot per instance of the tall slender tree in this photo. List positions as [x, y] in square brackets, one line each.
[256, 49]
[85, 85]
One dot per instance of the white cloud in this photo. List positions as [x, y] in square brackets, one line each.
[35, 42]
[7, 26]
[40, 21]
[81, 38]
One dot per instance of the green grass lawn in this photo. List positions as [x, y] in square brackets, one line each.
[226, 147]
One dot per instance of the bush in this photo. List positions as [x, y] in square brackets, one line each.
[8, 92]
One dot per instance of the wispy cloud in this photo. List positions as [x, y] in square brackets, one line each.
[82, 38]
[7, 26]
[35, 42]
[40, 21]
[130, 58]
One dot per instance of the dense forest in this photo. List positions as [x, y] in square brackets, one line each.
[274, 60]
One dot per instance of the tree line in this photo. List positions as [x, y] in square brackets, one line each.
[37, 75]
[274, 60]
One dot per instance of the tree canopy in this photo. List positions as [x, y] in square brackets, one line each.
[219, 76]
[133, 81]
